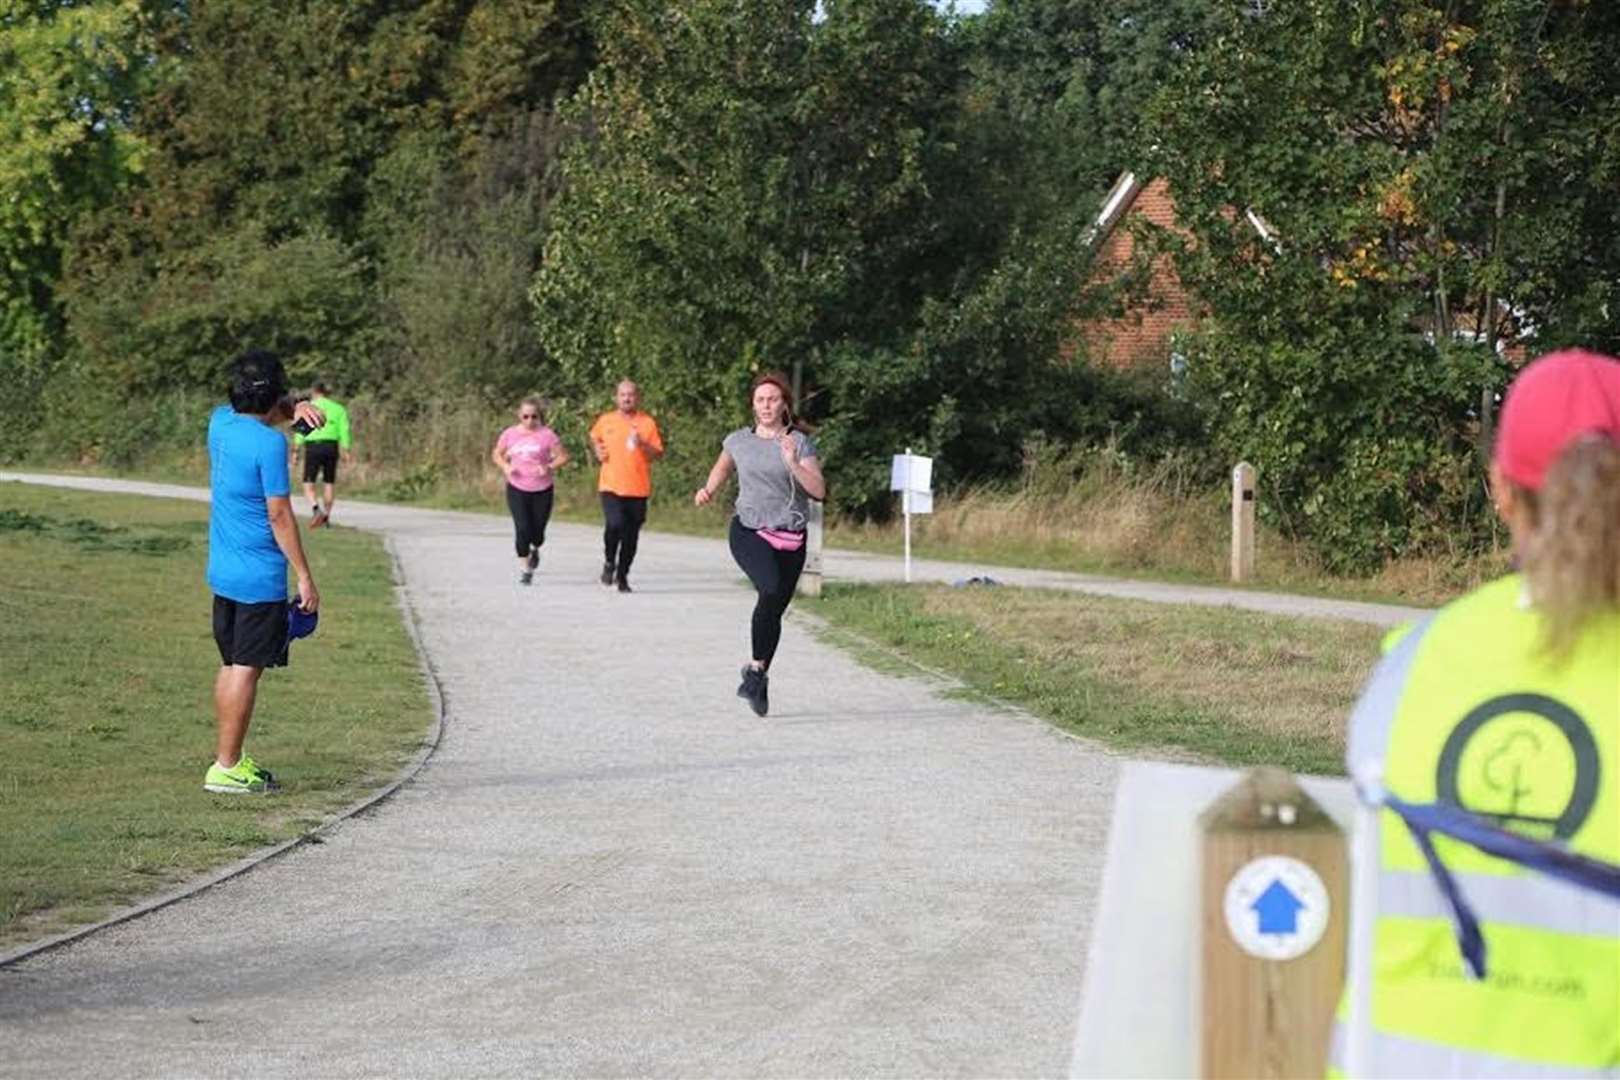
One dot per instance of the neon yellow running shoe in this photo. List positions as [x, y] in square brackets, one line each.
[246, 777]
[270, 782]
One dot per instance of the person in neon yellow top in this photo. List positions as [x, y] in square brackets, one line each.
[322, 448]
[1505, 703]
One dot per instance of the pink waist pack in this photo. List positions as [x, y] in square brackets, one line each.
[781, 539]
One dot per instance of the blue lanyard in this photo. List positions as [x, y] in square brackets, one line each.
[1553, 860]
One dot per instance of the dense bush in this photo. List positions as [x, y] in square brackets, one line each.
[304, 297]
[1366, 443]
[358, 187]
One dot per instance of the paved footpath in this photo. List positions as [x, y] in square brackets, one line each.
[611, 867]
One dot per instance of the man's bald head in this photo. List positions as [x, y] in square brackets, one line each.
[627, 396]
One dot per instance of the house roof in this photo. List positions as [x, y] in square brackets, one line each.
[1120, 198]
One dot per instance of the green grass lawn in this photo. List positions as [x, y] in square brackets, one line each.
[107, 664]
[1208, 684]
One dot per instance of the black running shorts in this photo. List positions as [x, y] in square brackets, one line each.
[320, 461]
[252, 635]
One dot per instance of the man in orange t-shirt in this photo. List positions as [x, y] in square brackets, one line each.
[626, 442]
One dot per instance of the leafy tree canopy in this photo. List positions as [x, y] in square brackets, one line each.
[1381, 198]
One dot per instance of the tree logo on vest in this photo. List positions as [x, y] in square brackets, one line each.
[1526, 761]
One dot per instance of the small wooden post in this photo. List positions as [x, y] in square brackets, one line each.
[1275, 883]
[1487, 426]
[810, 579]
[1242, 522]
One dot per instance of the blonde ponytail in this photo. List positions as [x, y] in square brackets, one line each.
[1572, 561]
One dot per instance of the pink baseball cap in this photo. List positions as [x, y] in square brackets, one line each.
[1554, 401]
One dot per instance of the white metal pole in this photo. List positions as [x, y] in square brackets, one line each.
[905, 506]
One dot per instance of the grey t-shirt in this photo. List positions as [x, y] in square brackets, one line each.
[768, 497]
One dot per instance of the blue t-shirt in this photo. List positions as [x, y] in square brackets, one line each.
[247, 463]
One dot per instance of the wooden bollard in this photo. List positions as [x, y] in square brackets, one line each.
[1275, 887]
[1242, 522]
[810, 579]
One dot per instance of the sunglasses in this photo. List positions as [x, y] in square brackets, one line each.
[528, 416]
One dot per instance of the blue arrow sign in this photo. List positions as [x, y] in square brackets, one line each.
[1278, 909]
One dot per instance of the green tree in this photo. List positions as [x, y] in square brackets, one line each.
[1067, 83]
[1048, 107]
[862, 188]
[1396, 159]
[748, 183]
[511, 58]
[322, 159]
[457, 250]
[70, 76]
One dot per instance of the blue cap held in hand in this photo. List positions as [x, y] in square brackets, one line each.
[300, 623]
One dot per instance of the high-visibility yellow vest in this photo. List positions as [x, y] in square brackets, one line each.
[1466, 709]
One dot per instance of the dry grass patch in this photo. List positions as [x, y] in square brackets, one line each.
[1218, 684]
[1292, 678]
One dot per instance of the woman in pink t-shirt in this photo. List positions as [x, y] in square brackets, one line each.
[529, 453]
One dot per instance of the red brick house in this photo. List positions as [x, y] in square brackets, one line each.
[1140, 337]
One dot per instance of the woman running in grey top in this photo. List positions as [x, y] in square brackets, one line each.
[778, 473]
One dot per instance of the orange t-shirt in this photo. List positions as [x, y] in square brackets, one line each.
[626, 471]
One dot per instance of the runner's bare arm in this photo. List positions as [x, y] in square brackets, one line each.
[717, 477]
[808, 473]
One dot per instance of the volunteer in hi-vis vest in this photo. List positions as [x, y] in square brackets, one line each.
[1506, 703]
[626, 442]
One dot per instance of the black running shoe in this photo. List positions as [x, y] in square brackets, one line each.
[607, 573]
[525, 577]
[624, 585]
[754, 689]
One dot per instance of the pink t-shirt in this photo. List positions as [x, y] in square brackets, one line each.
[530, 454]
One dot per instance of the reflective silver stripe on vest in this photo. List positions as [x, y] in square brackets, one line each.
[1393, 1055]
[1533, 901]
[1374, 714]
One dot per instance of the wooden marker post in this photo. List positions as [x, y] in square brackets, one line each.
[1242, 522]
[810, 579]
[1275, 886]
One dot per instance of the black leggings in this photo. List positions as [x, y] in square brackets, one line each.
[775, 575]
[624, 515]
[530, 512]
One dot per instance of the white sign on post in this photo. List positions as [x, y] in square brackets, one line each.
[911, 472]
[912, 475]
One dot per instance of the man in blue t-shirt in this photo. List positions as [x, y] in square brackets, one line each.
[252, 536]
